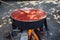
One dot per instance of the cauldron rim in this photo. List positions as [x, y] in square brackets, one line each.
[26, 20]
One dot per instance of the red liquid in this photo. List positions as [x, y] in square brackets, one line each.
[32, 14]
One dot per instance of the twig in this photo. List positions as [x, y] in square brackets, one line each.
[8, 4]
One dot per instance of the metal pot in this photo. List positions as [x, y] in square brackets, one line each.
[27, 25]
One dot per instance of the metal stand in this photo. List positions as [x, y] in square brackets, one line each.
[15, 35]
[45, 24]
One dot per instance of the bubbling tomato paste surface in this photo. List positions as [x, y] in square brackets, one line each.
[32, 14]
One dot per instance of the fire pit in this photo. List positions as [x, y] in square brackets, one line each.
[27, 18]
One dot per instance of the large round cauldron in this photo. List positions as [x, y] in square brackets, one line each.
[27, 18]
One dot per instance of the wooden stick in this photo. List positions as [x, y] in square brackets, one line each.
[8, 4]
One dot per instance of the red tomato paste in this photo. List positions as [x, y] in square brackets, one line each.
[32, 14]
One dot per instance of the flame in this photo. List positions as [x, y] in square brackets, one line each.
[30, 33]
[38, 29]
[35, 35]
